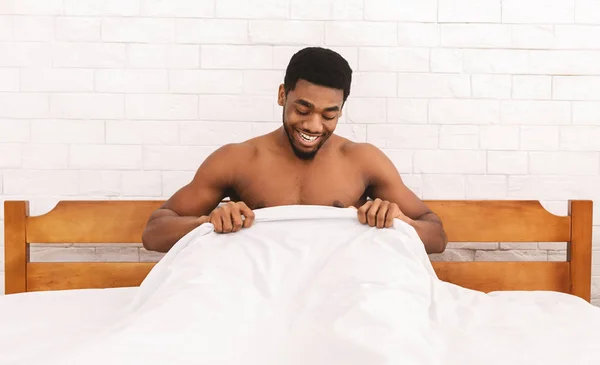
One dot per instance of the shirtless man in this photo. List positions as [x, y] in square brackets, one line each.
[302, 162]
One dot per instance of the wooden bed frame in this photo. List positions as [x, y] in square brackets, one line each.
[465, 221]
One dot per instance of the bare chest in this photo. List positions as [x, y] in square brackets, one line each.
[338, 185]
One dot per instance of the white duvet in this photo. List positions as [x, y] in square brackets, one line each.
[303, 285]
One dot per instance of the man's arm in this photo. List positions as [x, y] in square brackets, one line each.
[385, 183]
[181, 212]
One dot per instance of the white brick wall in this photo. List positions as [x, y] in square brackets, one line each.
[471, 99]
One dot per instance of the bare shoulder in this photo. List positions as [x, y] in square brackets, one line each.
[222, 165]
[233, 154]
[375, 165]
[252, 146]
[363, 152]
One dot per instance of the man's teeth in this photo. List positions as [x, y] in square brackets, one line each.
[308, 138]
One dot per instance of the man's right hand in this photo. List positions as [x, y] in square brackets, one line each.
[230, 217]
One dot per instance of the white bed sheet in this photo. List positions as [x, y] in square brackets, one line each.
[304, 285]
[35, 323]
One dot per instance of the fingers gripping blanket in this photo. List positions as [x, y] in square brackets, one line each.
[311, 285]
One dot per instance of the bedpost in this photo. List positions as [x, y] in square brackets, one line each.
[579, 249]
[15, 246]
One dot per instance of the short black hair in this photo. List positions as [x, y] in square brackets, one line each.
[319, 66]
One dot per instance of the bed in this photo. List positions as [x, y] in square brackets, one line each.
[465, 221]
[48, 296]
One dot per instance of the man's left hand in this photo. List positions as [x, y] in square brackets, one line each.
[380, 213]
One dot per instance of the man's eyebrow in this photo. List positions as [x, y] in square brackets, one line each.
[310, 105]
[304, 102]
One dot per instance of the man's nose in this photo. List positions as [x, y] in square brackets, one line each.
[313, 124]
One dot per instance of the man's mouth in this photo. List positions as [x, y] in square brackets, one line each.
[306, 139]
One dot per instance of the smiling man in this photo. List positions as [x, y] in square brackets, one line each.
[302, 162]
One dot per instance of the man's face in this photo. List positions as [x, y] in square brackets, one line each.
[310, 115]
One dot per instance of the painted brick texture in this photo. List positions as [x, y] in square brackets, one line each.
[483, 99]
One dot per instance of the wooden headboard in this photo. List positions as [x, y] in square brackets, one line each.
[464, 220]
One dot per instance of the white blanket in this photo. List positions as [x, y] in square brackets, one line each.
[311, 285]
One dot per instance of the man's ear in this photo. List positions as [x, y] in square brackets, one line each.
[281, 95]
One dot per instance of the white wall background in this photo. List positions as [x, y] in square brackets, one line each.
[472, 99]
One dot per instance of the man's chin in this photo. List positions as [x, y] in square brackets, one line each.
[305, 154]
